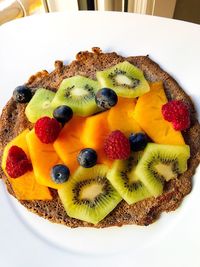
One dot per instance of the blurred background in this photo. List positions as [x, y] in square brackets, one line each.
[188, 10]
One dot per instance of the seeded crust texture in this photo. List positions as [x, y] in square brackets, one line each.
[13, 121]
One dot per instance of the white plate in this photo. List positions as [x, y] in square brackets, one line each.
[34, 43]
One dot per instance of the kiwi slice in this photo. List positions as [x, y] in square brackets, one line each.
[161, 163]
[125, 79]
[39, 105]
[78, 93]
[123, 179]
[88, 195]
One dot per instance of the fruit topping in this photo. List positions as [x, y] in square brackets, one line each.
[60, 173]
[24, 187]
[39, 106]
[88, 195]
[87, 157]
[124, 180]
[47, 129]
[148, 115]
[106, 98]
[63, 114]
[116, 146]
[17, 162]
[68, 143]
[43, 158]
[95, 131]
[125, 79]
[138, 141]
[177, 112]
[120, 117]
[161, 163]
[22, 94]
[77, 92]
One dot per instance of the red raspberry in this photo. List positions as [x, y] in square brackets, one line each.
[17, 162]
[180, 125]
[117, 146]
[177, 112]
[47, 129]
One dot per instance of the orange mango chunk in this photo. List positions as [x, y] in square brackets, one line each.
[43, 157]
[25, 187]
[68, 144]
[149, 116]
[120, 117]
[95, 131]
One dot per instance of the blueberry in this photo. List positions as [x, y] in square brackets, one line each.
[22, 94]
[63, 114]
[138, 141]
[60, 173]
[87, 157]
[106, 98]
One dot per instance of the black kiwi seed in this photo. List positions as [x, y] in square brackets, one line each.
[68, 91]
[87, 88]
[131, 186]
[91, 203]
[116, 72]
[154, 161]
[77, 92]
[89, 196]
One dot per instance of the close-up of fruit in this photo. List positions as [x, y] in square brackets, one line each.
[88, 195]
[177, 112]
[77, 92]
[153, 123]
[63, 114]
[60, 173]
[87, 157]
[124, 180]
[68, 144]
[116, 146]
[47, 129]
[24, 187]
[138, 141]
[123, 121]
[17, 162]
[94, 134]
[106, 98]
[39, 106]
[22, 94]
[43, 158]
[125, 79]
[161, 163]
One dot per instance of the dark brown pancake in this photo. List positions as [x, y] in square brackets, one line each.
[13, 121]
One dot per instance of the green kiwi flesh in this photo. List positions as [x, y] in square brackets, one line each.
[161, 163]
[78, 92]
[125, 182]
[125, 79]
[88, 195]
[40, 105]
